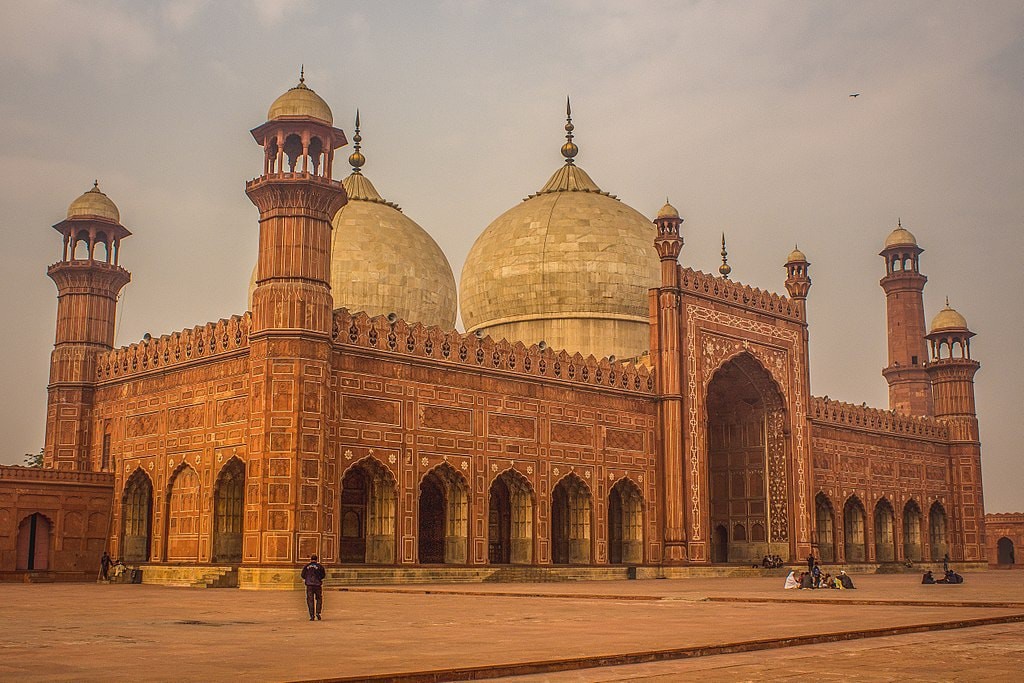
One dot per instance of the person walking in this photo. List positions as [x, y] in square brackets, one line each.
[313, 575]
[945, 563]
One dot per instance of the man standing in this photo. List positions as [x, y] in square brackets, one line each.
[810, 562]
[105, 563]
[313, 574]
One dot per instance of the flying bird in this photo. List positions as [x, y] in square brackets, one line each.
[856, 94]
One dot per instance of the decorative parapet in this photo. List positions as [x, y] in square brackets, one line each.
[876, 419]
[19, 473]
[450, 346]
[200, 342]
[739, 294]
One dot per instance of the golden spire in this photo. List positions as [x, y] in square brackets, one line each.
[725, 268]
[947, 302]
[569, 149]
[95, 186]
[356, 158]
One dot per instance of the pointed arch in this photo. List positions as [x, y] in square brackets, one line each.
[824, 527]
[510, 518]
[367, 510]
[937, 531]
[625, 523]
[137, 518]
[855, 544]
[443, 516]
[747, 458]
[912, 531]
[1005, 554]
[181, 521]
[885, 531]
[35, 533]
[228, 511]
[571, 521]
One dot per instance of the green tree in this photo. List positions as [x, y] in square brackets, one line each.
[34, 459]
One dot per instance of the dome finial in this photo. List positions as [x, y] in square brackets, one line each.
[96, 185]
[725, 268]
[302, 73]
[569, 149]
[947, 302]
[356, 158]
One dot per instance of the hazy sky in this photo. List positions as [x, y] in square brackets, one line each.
[739, 112]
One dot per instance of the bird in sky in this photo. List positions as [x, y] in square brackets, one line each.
[856, 94]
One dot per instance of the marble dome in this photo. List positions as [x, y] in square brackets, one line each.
[570, 265]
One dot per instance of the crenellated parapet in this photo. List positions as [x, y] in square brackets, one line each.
[19, 473]
[875, 419]
[450, 346]
[200, 342]
[738, 294]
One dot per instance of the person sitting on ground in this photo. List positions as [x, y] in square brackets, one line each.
[791, 581]
[806, 580]
[765, 562]
[826, 581]
[845, 580]
[951, 577]
[119, 569]
[928, 577]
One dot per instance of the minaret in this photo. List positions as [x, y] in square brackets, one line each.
[88, 280]
[909, 387]
[290, 340]
[951, 371]
[798, 278]
[667, 351]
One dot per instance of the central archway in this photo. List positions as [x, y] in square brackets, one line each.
[1005, 552]
[885, 533]
[824, 528]
[368, 514]
[444, 517]
[510, 520]
[747, 463]
[33, 543]
[182, 520]
[853, 528]
[912, 532]
[937, 531]
[571, 510]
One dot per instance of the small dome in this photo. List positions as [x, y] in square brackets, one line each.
[94, 203]
[948, 320]
[900, 237]
[668, 211]
[796, 255]
[301, 101]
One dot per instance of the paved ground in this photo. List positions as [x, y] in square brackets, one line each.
[91, 633]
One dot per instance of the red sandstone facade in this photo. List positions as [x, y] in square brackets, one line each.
[299, 428]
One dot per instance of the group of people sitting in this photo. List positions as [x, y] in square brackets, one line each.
[949, 577]
[771, 562]
[817, 579]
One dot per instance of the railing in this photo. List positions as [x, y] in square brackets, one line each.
[875, 419]
[205, 341]
[450, 346]
[739, 294]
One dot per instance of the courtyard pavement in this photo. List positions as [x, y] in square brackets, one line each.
[702, 627]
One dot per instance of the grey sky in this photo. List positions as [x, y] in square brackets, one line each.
[739, 112]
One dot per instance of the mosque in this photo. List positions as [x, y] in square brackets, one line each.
[607, 411]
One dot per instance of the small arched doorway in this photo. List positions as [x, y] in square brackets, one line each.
[937, 531]
[853, 528]
[1005, 552]
[625, 524]
[824, 528]
[571, 510]
[912, 532]
[228, 506]
[444, 517]
[510, 520]
[720, 544]
[885, 536]
[33, 543]
[137, 518]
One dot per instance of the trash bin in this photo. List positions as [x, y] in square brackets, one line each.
[631, 573]
[136, 576]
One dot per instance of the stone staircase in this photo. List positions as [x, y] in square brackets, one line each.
[191, 577]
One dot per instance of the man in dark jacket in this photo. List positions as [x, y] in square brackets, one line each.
[313, 574]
